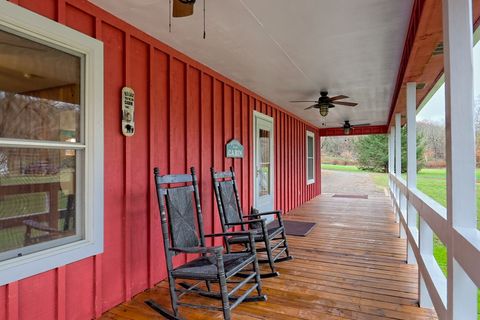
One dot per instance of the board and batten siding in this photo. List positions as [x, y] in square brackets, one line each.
[185, 113]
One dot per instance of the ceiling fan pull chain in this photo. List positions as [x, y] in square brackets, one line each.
[170, 16]
[204, 28]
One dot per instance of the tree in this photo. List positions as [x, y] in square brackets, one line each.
[372, 152]
[433, 139]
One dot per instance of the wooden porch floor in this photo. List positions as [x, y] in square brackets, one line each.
[351, 266]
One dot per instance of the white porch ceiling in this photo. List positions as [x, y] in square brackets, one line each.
[289, 50]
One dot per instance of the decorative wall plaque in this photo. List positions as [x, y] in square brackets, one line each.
[234, 149]
[128, 111]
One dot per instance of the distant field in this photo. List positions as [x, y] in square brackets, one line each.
[433, 183]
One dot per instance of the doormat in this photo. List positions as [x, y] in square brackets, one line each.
[295, 228]
[353, 196]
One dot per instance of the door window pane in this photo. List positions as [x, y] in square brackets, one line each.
[310, 157]
[310, 146]
[264, 165]
[310, 169]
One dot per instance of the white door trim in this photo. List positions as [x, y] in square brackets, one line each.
[265, 117]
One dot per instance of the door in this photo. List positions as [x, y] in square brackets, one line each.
[263, 164]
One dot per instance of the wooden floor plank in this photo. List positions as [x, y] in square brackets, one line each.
[350, 266]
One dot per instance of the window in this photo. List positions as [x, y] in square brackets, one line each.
[51, 144]
[310, 157]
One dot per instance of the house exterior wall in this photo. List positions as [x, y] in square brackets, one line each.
[185, 113]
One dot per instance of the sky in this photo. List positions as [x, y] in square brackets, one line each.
[434, 110]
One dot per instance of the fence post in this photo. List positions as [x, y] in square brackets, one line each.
[460, 150]
[411, 164]
[398, 169]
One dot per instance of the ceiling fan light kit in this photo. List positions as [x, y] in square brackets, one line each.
[347, 128]
[183, 8]
[325, 102]
[324, 110]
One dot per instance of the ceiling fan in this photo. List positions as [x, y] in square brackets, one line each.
[347, 127]
[325, 102]
[183, 8]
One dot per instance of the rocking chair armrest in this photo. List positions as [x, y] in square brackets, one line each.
[251, 239]
[276, 212]
[212, 250]
[226, 234]
[245, 222]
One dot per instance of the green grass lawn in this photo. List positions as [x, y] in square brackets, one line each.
[432, 182]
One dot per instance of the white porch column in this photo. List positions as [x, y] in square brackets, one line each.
[411, 163]
[398, 167]
[460, 148]
[391, 168]
[390, 157]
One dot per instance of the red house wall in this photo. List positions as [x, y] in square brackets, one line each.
[185, 114]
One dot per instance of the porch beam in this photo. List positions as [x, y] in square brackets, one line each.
[460, 150]
[394, 187]
[411, 164]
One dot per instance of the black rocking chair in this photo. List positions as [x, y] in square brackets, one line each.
[182, 230]
[274, 239]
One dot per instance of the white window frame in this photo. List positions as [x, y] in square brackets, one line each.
[310, 134]
[48, 32]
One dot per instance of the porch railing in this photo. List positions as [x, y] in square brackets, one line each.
[454, 295]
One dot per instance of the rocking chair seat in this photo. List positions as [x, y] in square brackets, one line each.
[204, 268]
[258, 236]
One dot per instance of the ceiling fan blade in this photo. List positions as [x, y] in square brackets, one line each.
[348, 104]
[338, 97]
[312, 106]
[361, 125]
[301, 101]
[181, 9]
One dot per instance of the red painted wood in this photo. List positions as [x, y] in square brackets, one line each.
[79, 20]
[11, 303]
[61, 18]
[206, 151]
[3, 299]
[152, 161]
[237, 134]
[356, 131]
[61, 294]
[78, 289]
[39, 288]
[246, 144]
[127, 199]
[159, 110]
[185, 112]
[98, 289]
[47, 8]
[218, 146]
[139, 174]
[113, 277]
